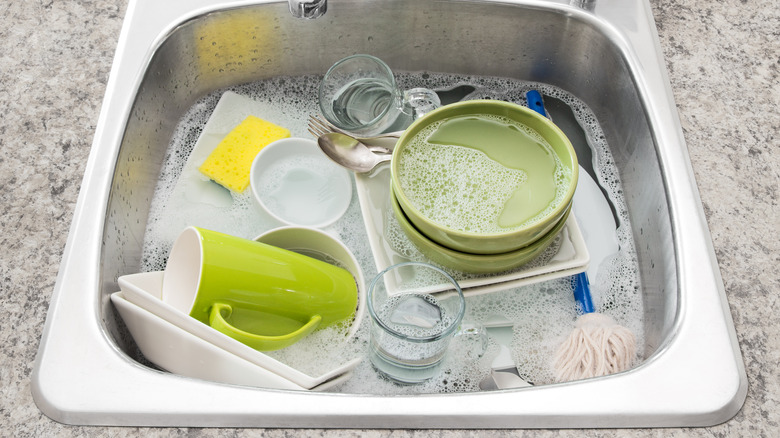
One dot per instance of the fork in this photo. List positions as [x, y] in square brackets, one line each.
[385, 142]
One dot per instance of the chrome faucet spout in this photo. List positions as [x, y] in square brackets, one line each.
[308, 9]
[588, 5]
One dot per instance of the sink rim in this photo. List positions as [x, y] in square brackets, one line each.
[71, 391]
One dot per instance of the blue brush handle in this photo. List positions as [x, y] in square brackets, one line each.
[582, 292]
[581, 283]
[535, 102]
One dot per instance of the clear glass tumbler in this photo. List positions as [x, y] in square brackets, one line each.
[415, 309]
[359, 94]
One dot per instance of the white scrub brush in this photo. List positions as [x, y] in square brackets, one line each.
[598, 346]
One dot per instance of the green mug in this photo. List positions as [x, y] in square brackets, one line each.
[263, 296]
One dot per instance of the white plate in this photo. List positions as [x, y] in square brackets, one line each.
[374, 194]
[180, 352]
[193, 186]
[594, 216]
[144, 290]
[196, 199]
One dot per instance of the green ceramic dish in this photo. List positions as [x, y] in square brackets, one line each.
[500, 147]
[475, 263]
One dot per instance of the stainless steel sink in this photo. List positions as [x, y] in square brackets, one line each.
[172, 53]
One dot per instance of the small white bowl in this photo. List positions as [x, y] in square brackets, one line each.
[298, 185]
[322, 246]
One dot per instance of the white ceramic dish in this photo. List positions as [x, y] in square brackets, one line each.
[374, 194]
[144, 290]
[298, 185]
[203, 202]
[594, 216]
[320, 245]
[181, 352]
[197, 189]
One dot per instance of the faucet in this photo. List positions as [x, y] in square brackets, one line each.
[311, 9]
[588, 5]
[308, 9]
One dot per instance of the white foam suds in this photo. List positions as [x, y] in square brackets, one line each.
[471, 189]
[544, 313]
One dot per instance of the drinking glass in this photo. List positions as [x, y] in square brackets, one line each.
[415, 309]
[359, 94]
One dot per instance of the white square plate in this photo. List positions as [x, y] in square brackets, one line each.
[144, 290]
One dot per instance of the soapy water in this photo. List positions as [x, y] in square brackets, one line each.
[300, 189]
[543, 313]
[412, 316]
[475, 197]
[362, 102]
[415, 312]
[410, 335]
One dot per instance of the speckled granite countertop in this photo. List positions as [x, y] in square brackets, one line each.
[724, 64]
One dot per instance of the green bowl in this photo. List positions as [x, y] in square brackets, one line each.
[515, 237]
[475, 263]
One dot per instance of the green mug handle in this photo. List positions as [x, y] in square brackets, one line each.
[258, 342]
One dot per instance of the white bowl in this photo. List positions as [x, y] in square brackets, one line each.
[322, 246]
[298, 185]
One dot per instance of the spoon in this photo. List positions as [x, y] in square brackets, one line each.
[352, 154]
[318, 127]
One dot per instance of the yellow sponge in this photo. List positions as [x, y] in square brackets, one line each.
[229, 163]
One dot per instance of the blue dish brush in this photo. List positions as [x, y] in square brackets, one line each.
[598, 346]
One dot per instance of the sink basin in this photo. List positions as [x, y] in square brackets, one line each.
[172, 53]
